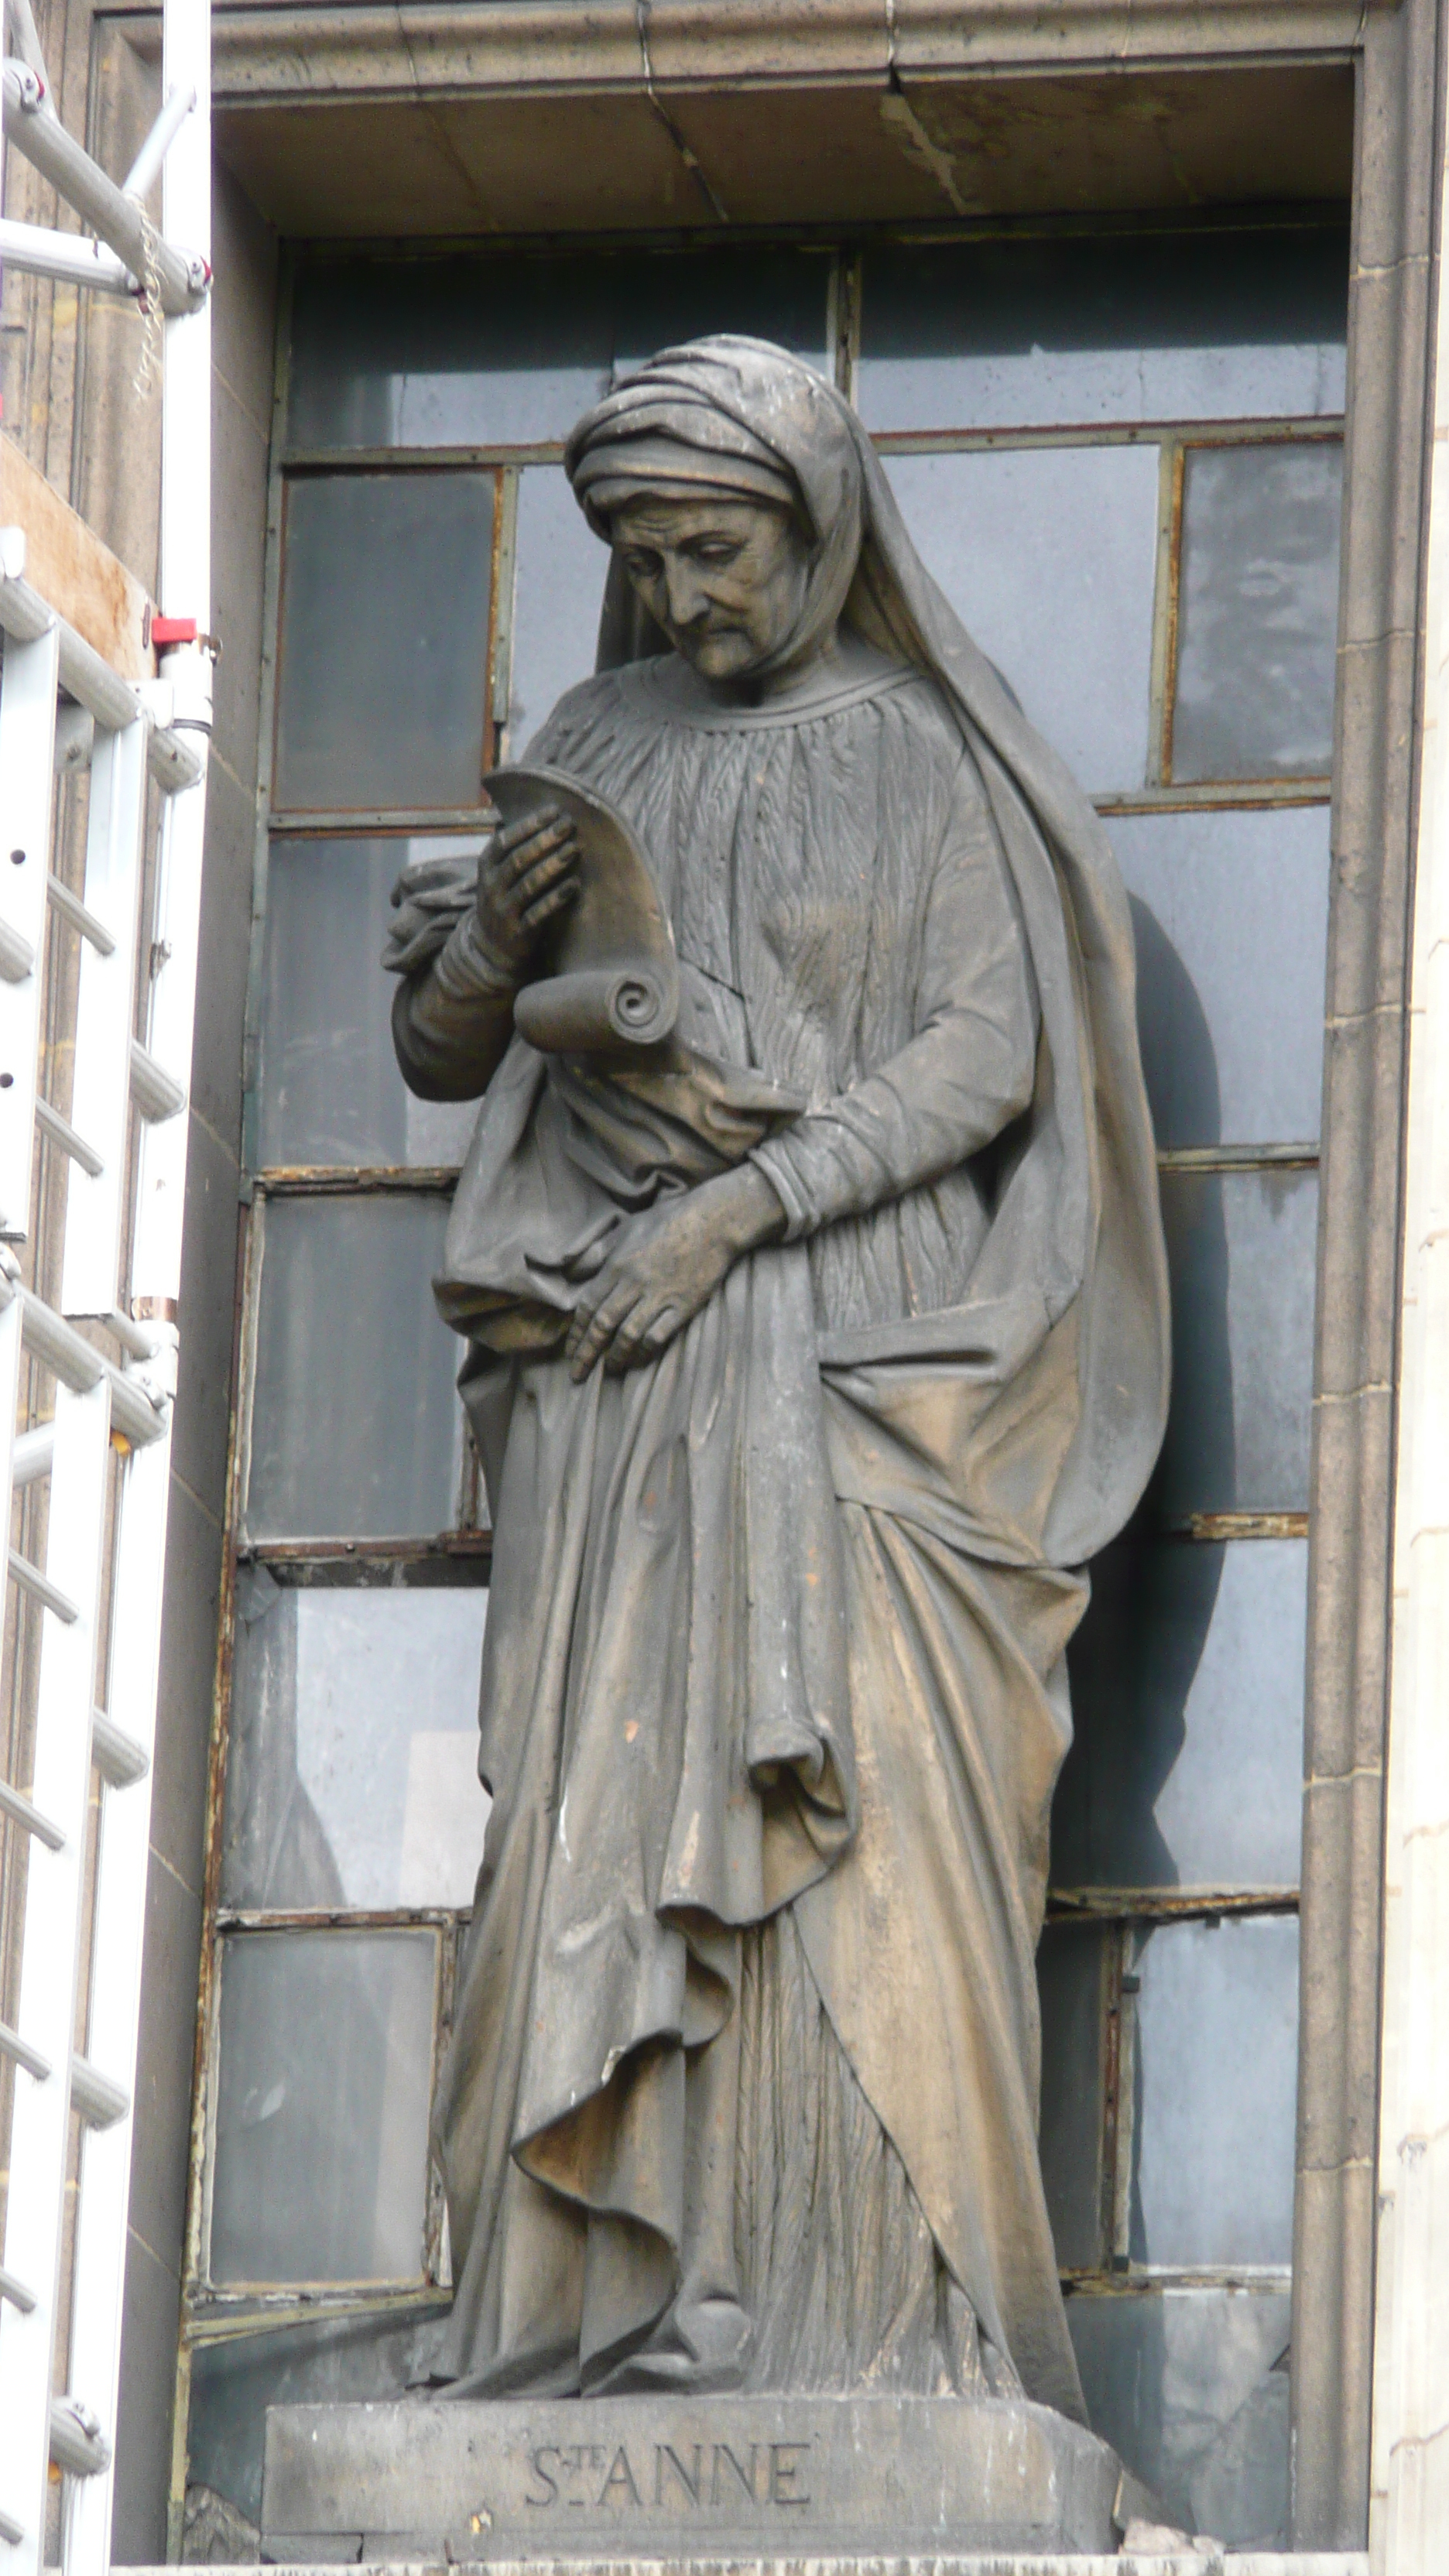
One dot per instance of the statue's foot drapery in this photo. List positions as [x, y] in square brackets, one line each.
[806, 2261]
[840, 2272]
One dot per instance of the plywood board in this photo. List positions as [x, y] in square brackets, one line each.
[73, 571]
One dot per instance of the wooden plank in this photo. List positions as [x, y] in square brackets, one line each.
[73, 571]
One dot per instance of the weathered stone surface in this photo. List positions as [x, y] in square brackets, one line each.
[674, 2476]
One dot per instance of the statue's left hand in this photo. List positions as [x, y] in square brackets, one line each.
[664, 1264]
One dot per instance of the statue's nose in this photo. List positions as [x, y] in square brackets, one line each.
[687, 598]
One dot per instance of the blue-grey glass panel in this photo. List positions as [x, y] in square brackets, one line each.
[1069, 1973]
[330, 1090]
[1241, 1250]
[1191, 2388]
[356, 1427]
[352, 1777]
[325, 2051]
[383, 662]
[1231, 916]
[489, 352]
[235, 2381]
[558, 595]
[1167, 326]
[1187, 1699]
[1049, 556]
[1258, 611]
[1216, 2089]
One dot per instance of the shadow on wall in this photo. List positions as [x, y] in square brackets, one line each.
[1136, 1654]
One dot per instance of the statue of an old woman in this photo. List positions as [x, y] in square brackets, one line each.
[809, 1363]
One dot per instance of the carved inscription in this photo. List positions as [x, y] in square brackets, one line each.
[676, 2478]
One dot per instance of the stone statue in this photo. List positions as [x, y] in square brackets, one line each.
[812, 1352]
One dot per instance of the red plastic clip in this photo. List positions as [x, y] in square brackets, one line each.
[166, 631]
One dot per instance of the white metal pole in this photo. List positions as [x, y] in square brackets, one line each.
[45, 2019]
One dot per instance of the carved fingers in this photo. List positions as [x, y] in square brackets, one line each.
[662, 1267]
[527, 875]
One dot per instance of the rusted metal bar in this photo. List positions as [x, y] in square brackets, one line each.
[1165, 1904]
[355, 1180]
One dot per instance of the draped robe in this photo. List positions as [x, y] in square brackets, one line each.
[743, 2078]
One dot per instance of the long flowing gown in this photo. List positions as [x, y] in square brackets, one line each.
[743, 2077]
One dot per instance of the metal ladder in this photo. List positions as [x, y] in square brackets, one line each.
[102, 1576]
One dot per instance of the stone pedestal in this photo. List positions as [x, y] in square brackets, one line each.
[679, 2477]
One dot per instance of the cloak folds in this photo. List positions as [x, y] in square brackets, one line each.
[774, 1690]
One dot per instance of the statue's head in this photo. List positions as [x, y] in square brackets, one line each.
[725, 477]
[726, 580]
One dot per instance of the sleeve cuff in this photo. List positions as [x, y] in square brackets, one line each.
[773, 1159]
[468, 971]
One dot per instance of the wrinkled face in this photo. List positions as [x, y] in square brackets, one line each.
[725, 579]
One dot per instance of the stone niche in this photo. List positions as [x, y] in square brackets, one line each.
[680, 2477]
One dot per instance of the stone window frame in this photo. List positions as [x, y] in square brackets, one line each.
[1395, 54]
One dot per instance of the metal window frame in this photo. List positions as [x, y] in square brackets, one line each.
[463, 1535]
[409, 463]
[321, 2298]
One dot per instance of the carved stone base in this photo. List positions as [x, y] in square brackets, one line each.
[678, 2477]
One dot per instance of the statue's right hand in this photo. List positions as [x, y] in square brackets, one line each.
[527, 875]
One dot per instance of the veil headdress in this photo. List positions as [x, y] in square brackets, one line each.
[1079, 1215]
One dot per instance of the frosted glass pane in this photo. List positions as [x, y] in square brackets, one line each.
[1167, 326]
[325, 2070]
[1191, 2388]
[234, 2381]
[501, 352]
[330, 1089]
[1049, 556]
[558, 595]
[1217, 2074]
[383, 666]
[353, 1772]
[1187, 1700]
[1231, 917]
[356, 1427]
[1258, 614]
[1241, 1247]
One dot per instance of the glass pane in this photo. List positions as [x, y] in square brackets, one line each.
[1069, 1970]
[356, 1429]
[1258, 611]
[1212, 326]
[325, 2053]
[1241, 1249]
[559, 593]
[1231, 916]
[477, 352]
[1191, 2387]
[234, 2382]
[330, 1090]
[1187, 1697]
[353, 1772]
[383, 662]
[1049, 555]
[1217, 2080]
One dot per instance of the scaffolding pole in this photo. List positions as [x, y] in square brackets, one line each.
[124, 1067]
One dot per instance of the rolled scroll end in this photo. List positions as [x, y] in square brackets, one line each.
[604, 1010]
